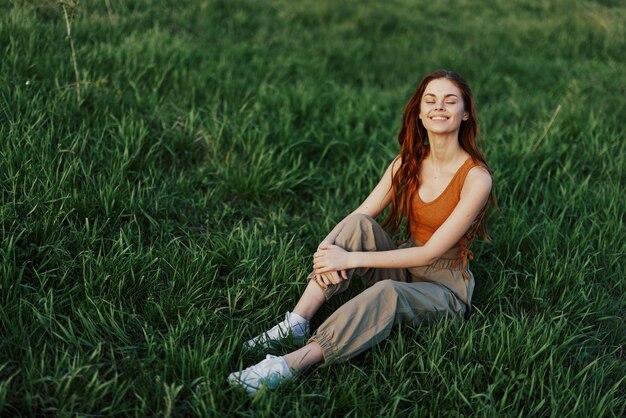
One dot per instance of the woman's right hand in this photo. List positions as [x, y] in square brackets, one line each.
[331, 277]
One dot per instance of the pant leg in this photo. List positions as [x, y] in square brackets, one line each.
[363, 233]
[369, 317]
[451, 274]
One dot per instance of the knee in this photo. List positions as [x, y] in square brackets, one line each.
[383, 296]
[355, 227]
[360, 219]
[386, 288]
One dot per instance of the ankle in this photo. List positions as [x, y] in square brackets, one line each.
[297, 323]
[295, 316]
[286, 372]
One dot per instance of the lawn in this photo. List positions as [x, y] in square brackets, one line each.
[165, 208]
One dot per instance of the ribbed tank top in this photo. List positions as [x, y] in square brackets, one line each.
[426, 218]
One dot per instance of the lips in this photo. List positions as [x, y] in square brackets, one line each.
[439, 118]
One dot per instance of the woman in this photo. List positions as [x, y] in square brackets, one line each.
[442, 184]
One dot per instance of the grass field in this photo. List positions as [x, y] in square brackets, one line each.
[172, 213]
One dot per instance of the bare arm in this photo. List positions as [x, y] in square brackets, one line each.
[474, 195]
[373, 205]
[377, 200]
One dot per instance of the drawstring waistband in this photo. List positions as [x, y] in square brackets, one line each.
[465, 253]
[453, 263]
[446, 263]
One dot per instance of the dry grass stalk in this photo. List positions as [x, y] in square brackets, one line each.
[547, 128]
[109, 9]
[72, 5]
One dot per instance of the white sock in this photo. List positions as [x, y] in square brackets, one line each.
[286, 372]
[297, 323]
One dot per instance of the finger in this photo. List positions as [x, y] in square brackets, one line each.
[326, 280]
[322, 270]
[318, 256]
[344, 274]
[331, 278]
[318, 265]
[320, 280]
[335, 277]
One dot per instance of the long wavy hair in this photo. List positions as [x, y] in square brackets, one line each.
[413, 139]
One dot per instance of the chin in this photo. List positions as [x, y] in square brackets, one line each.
[442, 131]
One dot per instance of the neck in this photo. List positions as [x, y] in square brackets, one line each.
[444, 149]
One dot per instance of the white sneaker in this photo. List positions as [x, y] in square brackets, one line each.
[282, 330]
[269, 373]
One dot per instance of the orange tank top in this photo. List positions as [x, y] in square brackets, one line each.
[426, 218]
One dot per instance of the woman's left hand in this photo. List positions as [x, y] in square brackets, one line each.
[330, 258]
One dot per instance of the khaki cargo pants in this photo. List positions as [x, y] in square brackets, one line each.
[409, 296]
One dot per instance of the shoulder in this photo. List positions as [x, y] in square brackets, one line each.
[478, 180]
[478, 173]
[395, 164]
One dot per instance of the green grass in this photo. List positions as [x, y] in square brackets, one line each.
[150, 229]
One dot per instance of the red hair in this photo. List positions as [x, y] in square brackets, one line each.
[413, 139]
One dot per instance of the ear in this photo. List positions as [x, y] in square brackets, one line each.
[465, 116]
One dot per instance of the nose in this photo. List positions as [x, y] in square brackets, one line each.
[439, 105]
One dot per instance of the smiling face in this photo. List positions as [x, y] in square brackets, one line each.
[441, 108]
